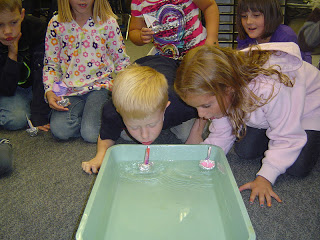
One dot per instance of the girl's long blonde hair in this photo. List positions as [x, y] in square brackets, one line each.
[219, 71]
[101, 9]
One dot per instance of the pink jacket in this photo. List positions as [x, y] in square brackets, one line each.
[285, 117]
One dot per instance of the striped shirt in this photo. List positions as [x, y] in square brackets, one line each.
[180, 28]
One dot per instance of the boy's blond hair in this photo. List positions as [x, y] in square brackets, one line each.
[10, 5]
[139, 91]
[101, 9]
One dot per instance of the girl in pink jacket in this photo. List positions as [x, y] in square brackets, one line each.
[264, 97]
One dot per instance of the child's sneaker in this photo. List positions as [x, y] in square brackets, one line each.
[6, 156]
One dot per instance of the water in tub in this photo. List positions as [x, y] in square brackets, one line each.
[173, 200]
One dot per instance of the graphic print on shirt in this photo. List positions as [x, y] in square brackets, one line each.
[170, 30]
[175, 22]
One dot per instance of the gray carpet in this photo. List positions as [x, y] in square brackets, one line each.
[46, 194]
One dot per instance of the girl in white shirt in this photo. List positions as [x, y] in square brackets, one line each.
[266, 91]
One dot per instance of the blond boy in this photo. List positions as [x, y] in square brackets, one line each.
[143, 103]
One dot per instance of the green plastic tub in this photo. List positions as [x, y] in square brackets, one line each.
[174, 200]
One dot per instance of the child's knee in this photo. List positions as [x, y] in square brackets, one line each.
[6, 157]
[63, 131]
[298, 171]
[89, 134]
[14, 120]
[301, 169]
[248, 152]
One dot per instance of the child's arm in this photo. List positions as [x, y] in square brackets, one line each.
[309, 33]
[116, 48]
[139, 33]
[13, 48]
[210, 11]
[94, 164]
[52, 67]
[10, 68]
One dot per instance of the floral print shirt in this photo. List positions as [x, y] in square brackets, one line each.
[83, 58]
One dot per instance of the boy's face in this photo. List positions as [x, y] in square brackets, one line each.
[10, 25]
[148, 129]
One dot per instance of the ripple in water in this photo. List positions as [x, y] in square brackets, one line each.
[171, 174]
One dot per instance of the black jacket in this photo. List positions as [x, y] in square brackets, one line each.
[28, 69]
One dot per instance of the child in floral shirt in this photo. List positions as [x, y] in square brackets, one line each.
[83, 48]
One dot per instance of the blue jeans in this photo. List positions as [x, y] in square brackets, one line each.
[6, 156]
[13, 109]
[247, 148]
[83, 118]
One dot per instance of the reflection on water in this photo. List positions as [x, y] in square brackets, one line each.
[169, 173]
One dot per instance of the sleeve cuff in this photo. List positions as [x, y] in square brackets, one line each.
[269, 173]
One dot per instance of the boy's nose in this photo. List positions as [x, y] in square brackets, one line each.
[144, 133]
[7, 30]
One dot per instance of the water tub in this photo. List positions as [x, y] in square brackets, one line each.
[174, 200]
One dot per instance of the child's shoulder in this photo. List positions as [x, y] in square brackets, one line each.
[32, 23]
[284, 33]
[33, 29]
[285, 29]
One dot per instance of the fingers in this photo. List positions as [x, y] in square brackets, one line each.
[52, 101]
[261, 196]
[261, 199]
[54, 105]
[262, 190]
[89, 168]
[245, 187]
[19, 36]
[268, 199]
[58, 107]
[86, 167]
[146, 35]
[276, 197]
[45, 128]
[94, 169]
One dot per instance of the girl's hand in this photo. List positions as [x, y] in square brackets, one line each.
[146, 35]
[13, 47]
[195, 136]
[262, 188]
[53, 99]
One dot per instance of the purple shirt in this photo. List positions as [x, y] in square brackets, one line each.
[283, 33]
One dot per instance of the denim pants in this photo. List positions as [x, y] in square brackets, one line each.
[255, 143]
[6, 156]
[83, 118]
[13, 109]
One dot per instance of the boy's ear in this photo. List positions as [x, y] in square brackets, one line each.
[23, 12]
[168, 104]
